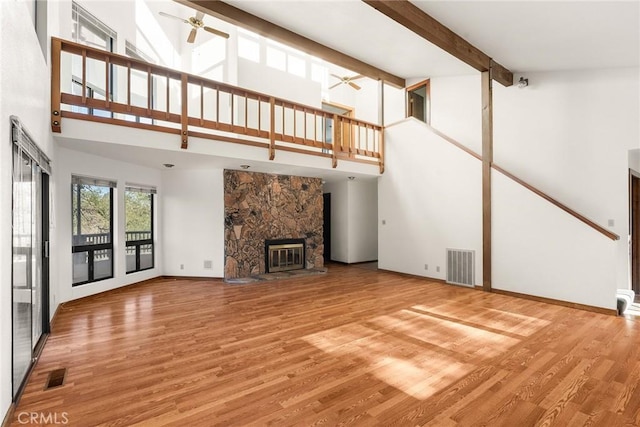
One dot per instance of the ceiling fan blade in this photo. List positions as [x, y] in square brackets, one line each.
[166, 15]
[192, 36]
[336, 76]
[216, 32]
[199, 16]
[359, 76]
[355, 86]
[337, 84]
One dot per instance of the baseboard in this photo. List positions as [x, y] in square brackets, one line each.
[594, 309]
[415, 276]
[189, 278]
[9, 416]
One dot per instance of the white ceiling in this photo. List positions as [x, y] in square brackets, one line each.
[521, 35]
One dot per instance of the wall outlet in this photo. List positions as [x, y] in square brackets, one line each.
[438, 269]
[426, 266]
[208, 264]
[611, 223]
[181, 266]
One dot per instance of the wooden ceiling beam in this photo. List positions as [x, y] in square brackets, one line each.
[427, 27]
[240, 18]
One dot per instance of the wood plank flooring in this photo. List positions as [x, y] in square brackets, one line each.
[352, 347]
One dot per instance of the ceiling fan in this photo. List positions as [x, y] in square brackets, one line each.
[197, 23]
[346, 80]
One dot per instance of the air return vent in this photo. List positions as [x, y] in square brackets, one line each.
[461, 267]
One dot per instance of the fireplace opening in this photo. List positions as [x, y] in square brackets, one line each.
[284, 255]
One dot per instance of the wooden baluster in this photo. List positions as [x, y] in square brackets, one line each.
[272, 128]
[129, 86]
[246, 112]
[201, 105]
[217, 107]
[84, 76]
[56, 91]
[107, 87]
[149, 90]
[184, 118]
[259, 115]
[232, 108]
[295, 119]
[336, 141]
[168, 103]
[381, 152]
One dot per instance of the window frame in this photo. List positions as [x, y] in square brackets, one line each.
[141, 242]
[92, 248]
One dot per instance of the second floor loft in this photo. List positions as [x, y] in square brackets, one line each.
[96, 85]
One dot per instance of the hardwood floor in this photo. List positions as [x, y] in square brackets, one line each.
[350, 347]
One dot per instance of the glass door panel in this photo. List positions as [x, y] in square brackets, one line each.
[22, 266]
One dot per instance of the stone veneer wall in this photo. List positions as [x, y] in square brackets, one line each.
[260, 206]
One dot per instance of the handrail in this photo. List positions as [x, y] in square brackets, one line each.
[119, 90]
[528, 186]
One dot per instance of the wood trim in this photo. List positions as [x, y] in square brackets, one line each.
[487, 160]
[427, 27]
[193, 278]
[184, 118]
[8, 418]
[560, 205]
[110, 121]
[545, 196]
[454, 142]
[56, 49]
[427, 100]
[272, 128]
[577, 306]
[243, 19]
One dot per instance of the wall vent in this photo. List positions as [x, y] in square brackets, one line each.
[461, 267]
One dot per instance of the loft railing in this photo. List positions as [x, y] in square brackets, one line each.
[92, 84]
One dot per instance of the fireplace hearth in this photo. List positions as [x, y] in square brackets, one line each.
[284, 255]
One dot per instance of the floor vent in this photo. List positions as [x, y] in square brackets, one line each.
[461, 267]
[56, 378]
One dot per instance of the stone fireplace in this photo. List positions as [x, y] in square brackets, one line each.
[284, 255]
[263, 207]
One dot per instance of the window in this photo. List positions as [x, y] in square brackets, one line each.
[89, 30]
[92, 229]
[419, 101]
[248, 46]
[138, 205]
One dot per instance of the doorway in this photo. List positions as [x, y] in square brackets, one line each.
[326, 226]
[341, 110]
[418, 101]
[30, 253]
[634, 228]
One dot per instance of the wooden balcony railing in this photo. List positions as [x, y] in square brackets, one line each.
[92, 84]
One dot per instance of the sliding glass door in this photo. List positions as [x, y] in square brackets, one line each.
[30, 269]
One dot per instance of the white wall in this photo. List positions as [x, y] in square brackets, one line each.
[569, 134]
[543, 251]
[193, 222]
[78, 163]
[429, 199]
[268, 80]
[24, 84]
[394, 104]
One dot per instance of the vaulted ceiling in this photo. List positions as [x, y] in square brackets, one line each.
[524, 36]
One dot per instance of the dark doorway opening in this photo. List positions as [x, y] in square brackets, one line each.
[634, 228]
[418, 101]
[326, 226]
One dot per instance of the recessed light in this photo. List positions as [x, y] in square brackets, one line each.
[245, 166]
[351, 178]
[168, 165]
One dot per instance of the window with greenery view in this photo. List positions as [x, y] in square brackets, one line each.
[138, 202]
[92, 229]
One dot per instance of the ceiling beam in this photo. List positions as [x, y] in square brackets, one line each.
[427, 27]
[240, 18]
